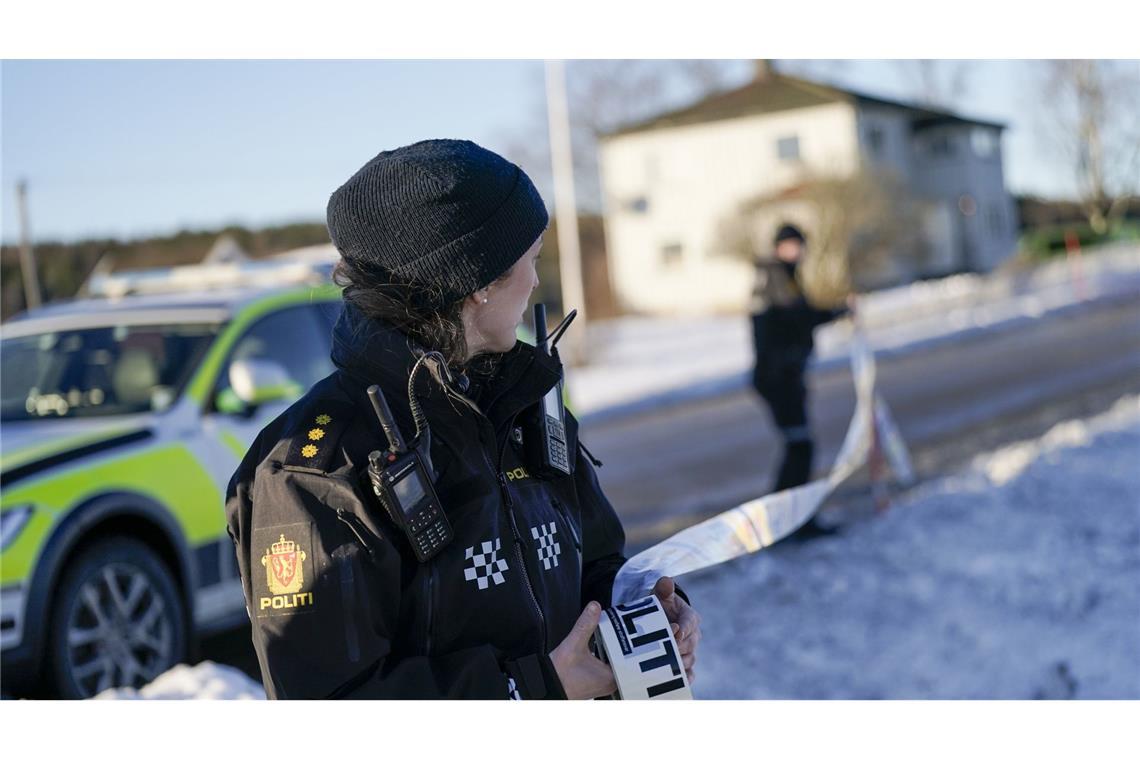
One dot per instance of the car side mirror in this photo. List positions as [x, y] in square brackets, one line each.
[254, 382]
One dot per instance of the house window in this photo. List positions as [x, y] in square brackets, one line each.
[671, 254]
[985, 142]
[875, 140]
[638, 205]
[788, 148]
[941, 145]
[994, 220]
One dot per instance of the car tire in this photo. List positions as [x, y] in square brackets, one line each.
[117, 620]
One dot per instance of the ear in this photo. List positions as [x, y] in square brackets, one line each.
[479, 297]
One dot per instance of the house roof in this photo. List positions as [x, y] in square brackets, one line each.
[780, 92]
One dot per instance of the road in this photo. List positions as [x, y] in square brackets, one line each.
[665, 470]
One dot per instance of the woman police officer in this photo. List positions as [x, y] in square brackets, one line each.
[438, 242]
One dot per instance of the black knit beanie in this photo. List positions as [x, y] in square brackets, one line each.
[444, 214]
[789, 232]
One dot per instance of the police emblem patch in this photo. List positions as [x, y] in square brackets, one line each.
[284, 550]
[286, 565]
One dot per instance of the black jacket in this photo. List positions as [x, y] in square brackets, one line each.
[783, 320]
[356, 615]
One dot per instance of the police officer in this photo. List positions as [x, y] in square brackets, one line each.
[438, 243]
[782, 325]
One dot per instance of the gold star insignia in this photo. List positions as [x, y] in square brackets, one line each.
[309, 451]
[323, 419]
[316, 434]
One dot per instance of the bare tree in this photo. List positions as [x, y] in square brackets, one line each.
[858, 226]
[934, 83]
[937, 83]
[604, 95]
[1092, 111]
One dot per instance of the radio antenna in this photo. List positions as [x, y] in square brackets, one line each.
[387, 422]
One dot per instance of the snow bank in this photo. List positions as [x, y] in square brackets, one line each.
[1018, 577]
[206, 680]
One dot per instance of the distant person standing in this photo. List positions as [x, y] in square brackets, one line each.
[782, 325]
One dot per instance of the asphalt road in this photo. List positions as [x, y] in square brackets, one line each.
[667, 469]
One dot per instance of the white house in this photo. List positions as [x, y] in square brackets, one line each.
[668, 184]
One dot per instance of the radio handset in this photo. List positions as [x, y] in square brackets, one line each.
[403, 483]
[549, 456]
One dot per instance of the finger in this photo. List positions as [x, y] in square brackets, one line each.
[586, 624]
[688, 646]
[600, 678]
[689, 661]
[690, 625]
[664, 588]
[692, 674]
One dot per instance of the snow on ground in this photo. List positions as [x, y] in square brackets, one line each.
[637, 358]
[206, 680]
[1017, 578]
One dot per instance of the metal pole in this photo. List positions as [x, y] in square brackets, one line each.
[566, 212]
[32, 299]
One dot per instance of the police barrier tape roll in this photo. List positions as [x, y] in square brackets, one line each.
[762, 522]
[636, 640]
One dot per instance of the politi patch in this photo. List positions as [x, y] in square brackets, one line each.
[286, 553]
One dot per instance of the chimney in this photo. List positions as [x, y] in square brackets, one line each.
[763, 69]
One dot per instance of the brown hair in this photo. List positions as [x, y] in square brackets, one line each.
[405, 306]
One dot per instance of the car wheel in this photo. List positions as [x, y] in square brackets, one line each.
[117, 621]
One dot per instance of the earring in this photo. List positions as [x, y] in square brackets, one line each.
[484, 300]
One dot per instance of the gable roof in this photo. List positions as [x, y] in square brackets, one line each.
[780, 92]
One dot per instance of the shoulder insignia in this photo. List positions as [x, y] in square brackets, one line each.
[314, 437]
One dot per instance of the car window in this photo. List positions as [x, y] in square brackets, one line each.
[99, 371]
[297, 338]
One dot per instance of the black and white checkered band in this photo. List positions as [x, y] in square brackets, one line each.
[485, 563]
[513, 690]
[548, 546]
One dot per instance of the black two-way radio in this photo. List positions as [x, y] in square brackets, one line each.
[551, 456]
[404, 486]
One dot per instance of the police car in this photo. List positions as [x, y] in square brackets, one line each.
[124, 416]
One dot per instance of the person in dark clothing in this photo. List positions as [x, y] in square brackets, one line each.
[783, 322]
[438, 244]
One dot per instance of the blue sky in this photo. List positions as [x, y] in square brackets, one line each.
[131, 148]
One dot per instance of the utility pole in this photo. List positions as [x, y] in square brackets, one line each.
[32, 298]
[566, 213]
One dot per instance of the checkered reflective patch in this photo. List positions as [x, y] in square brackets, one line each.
[485, 564]
[548, 546]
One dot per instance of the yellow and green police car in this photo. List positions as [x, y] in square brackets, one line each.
[122, 421]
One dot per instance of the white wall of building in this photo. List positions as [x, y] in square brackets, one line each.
[666, 192]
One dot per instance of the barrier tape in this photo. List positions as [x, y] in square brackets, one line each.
[759, 523]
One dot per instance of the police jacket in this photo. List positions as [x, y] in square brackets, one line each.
[340, 605]
[783, 320]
